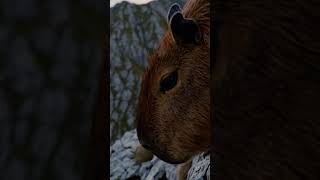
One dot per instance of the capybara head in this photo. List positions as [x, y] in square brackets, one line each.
[174, 104]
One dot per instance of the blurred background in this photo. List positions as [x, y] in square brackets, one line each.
[135, 30]
[50, 53]
[113, 2]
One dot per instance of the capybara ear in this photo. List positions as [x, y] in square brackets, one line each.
[184, 31]
[175, 8]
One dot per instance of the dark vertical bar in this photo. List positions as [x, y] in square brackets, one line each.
[265, 90]
[212, 25]
[98, 154]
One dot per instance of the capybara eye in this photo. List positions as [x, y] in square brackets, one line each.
[169, 82]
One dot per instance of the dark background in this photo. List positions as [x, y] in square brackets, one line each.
[50, 66]
[265, 90]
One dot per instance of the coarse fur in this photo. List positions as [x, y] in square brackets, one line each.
[176, 125]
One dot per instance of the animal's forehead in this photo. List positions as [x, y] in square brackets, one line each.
[162, 57]
[166, 47]
[165, 53]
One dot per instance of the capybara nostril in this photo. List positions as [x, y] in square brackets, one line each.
[146, 146]
[144, 137]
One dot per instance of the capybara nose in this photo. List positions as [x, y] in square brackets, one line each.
[144, 137]
[146, 146]
[143, 140]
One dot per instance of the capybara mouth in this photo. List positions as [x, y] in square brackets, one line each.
[166, 158]
[160, 151]
[164, 155]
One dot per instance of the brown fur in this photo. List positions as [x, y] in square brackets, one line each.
[176, 125]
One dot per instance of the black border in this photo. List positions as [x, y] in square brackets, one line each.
[98, 162]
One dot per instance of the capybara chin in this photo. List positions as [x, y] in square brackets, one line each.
[174, 104]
